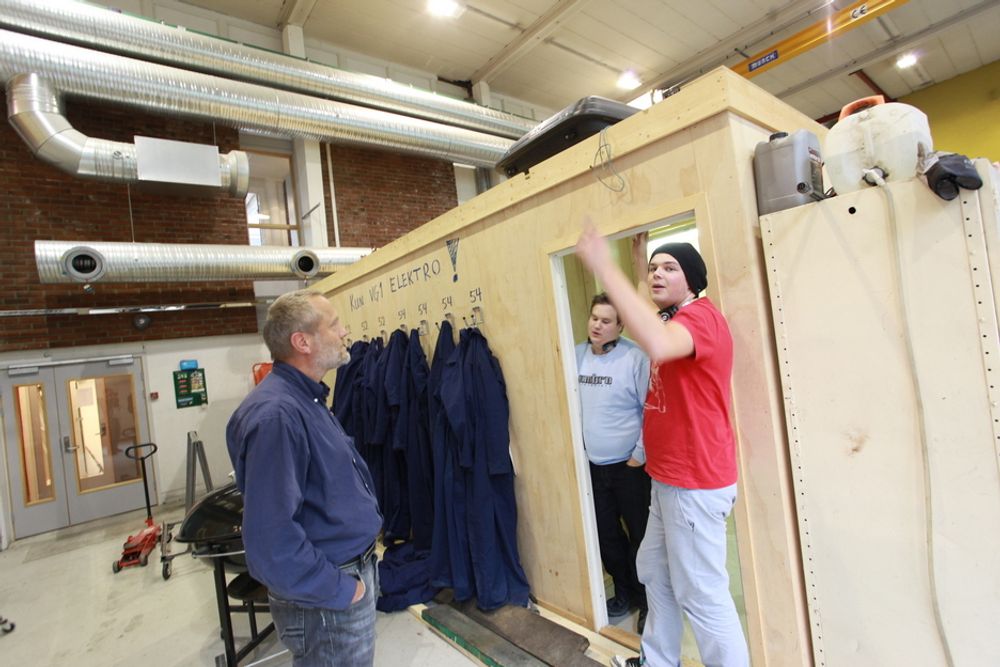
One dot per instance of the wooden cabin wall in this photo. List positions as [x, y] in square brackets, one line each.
[689, 154]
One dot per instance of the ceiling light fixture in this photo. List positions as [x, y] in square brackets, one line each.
[448, 9]
[906, 60]
[628, 80]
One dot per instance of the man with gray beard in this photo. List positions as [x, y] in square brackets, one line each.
[310, 517]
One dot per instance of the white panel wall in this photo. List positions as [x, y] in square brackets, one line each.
[186, 19]
[891, 406]
[256, 36]
[465, 183]
[228, 363]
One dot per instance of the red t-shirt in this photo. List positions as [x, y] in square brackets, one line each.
[686, 429]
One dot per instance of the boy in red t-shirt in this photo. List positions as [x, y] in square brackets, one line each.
[690, 453]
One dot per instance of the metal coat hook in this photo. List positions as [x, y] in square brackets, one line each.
[450, 318]
[477, 316]
[385, 336]
[424, 328]
[365, 338]
[403, 328]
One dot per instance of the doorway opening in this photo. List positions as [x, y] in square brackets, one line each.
[575, 288]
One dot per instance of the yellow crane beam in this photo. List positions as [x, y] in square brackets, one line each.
[839, 22]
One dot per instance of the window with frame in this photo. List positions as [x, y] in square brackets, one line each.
[270, 201]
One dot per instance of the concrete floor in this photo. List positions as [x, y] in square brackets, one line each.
[70, 609]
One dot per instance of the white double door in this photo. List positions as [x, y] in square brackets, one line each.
[66, 430]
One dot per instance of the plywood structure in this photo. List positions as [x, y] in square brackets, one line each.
[892, 385]
[689, 155]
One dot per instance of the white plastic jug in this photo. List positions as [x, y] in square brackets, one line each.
[889, 136]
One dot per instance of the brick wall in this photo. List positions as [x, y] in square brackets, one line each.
[381, 195]
[40, 202]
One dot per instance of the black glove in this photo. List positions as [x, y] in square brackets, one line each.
[947, 172]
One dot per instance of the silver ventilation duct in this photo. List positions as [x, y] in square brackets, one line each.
[106, 30]
[160, 89]
[35, 111]
[88, 262]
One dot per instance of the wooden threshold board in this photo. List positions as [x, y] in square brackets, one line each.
[483, 644]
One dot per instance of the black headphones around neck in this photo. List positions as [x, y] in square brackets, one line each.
[607, 347]
[668, 312]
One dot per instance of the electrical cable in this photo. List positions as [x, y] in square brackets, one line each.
[875, 177]
[605, 161]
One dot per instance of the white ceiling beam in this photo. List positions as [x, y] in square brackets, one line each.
[536, 33]
[295, 12]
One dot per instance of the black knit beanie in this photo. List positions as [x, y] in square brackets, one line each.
[691, 263]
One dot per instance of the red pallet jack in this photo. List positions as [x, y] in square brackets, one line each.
[138, 547]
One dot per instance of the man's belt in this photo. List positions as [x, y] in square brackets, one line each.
[359, 560]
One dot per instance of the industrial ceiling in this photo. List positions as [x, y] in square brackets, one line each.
[552, 52]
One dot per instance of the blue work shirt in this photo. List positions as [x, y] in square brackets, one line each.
[308, 501]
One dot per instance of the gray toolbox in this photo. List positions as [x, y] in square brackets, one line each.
[570, 126]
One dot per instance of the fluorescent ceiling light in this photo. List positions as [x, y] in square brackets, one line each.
[445, 8]
[906, 60]
[628, 80]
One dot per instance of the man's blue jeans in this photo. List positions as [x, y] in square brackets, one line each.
[331, 637]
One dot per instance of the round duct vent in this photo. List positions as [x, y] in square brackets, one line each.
[305, 264]
[83, 264]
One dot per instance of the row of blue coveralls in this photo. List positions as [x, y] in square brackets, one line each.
[437, 443]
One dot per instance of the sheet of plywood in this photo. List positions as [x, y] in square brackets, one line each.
[887, 525]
